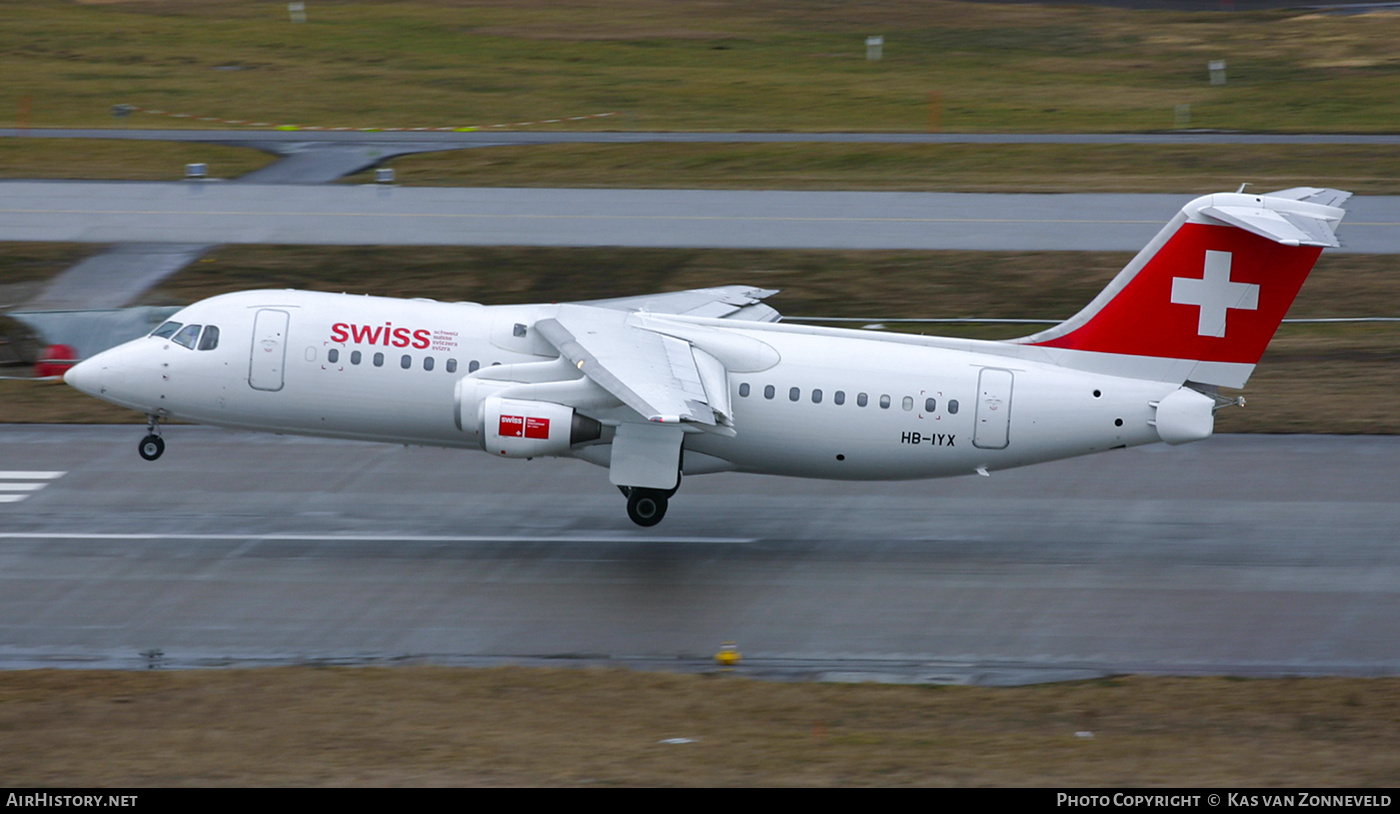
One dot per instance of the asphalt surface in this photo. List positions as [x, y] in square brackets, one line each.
[1245, 556]
[119, 276]
[1240, 555]
[213, 212]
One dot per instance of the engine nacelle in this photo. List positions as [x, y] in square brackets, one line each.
[471, 395]
[517, 428]
[1185, 416]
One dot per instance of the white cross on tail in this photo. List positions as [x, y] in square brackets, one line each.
[1215, 294]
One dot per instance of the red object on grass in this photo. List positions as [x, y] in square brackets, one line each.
[54, 360]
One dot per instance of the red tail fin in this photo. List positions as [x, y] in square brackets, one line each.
[1202, 301]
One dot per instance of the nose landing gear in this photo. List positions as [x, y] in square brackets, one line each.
[152, 446]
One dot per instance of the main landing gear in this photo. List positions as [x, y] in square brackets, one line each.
[152, 446]
[646, 507]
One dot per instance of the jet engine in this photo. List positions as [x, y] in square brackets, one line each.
[533, 423]
[517, 428]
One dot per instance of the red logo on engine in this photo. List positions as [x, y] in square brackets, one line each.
[514, 426]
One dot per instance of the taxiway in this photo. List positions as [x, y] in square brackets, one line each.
[213, 213]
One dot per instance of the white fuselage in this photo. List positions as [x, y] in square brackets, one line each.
[827, 403]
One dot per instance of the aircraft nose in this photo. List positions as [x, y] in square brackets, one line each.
[123, 375]
[85, 376]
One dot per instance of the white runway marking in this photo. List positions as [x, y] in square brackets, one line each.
[359, 538]
[23, 483]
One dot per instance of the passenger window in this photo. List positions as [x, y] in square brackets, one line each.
[355, 357]
[474, 366]
[953, 406]
[406, 362]
[884, 402]
[794, 394]
[332, 356]
[744, 390]
[930, 405]
[166, 331]
[379, 360]
[427, 363]
[839, 397]
[186, 336]
[768, 391]
[816, 397]
[862, 400]
[451, 365]
[908, 403]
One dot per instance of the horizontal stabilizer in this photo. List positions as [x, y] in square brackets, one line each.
[1316, 195]
[1288, 228]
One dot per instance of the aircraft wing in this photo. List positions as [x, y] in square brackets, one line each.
[663, 378]
[723, 302]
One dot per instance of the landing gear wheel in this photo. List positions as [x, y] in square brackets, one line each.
[646, 507]
[151, 447]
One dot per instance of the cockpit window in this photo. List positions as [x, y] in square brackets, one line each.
[210, 338]
[187, 336]
[166, 331]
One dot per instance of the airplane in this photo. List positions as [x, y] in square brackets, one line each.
[710, 380]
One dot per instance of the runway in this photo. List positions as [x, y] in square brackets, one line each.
[215, 213]
[1240, 555]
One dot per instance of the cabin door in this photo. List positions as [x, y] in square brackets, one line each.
[269, 351]
[993, 430]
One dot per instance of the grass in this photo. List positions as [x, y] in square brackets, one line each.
[417, 726]
[778, 65]
[1194, 169]
[720, 65]
[95, 159]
